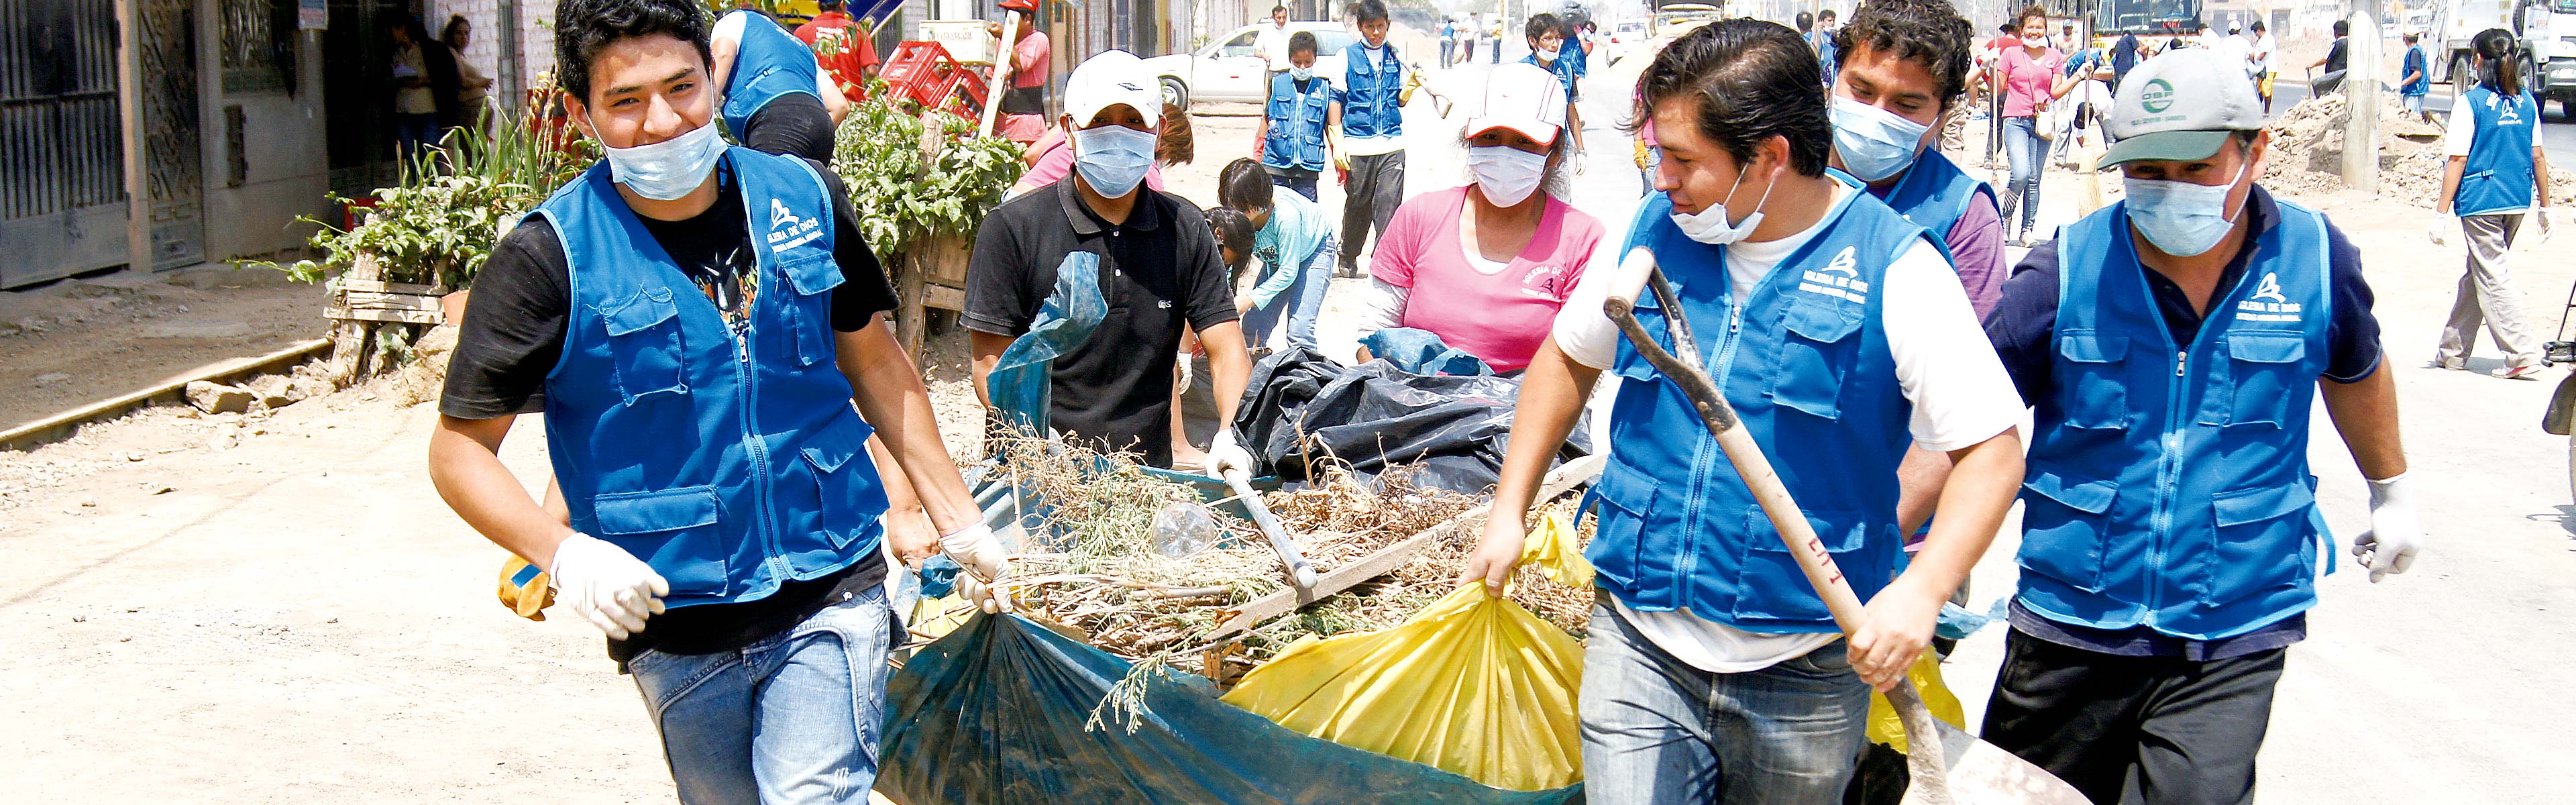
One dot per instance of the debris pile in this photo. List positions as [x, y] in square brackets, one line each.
[1105, 580]
[2307, 152]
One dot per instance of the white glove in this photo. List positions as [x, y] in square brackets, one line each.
[2542, 215]
[2394, 536]
[2441, 228]
[985, 560]
[606, 585]
[1224, 455]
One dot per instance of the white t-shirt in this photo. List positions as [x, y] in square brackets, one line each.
[1272, 43]
[2267, 53]
[1945, 367]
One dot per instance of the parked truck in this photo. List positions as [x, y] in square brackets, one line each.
[2546, 29]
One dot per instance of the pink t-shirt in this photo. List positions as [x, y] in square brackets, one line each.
[2027, 81]
[1501, 317]
[1055, 161]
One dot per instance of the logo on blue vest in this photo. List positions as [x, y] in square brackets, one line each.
[1848, 286]
[2280, 308]
[787, 231]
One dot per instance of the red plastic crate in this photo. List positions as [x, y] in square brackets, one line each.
[926, 74]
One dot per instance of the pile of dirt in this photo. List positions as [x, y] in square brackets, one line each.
[2307, 152]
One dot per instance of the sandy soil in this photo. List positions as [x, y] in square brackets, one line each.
[278, 609]
[77, 341]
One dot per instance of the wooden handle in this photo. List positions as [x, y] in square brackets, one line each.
[1628, 281]
[1003, 58]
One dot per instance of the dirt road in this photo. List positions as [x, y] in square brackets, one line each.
[278, 609]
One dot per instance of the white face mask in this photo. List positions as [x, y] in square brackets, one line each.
[2183, 219]
[1506, 175]
[2034, 41]
[1302, 73]
[1549, 54]
[1710, 226]
[668, 169]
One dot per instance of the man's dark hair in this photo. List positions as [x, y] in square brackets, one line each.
[1806, 22]
[1243, 185]
[1367, 11]
[1278, 9]
[1827, 14]
[2409, 37]
[1926, 32]
[583, 28]
[829, 5]
[2342, 28]
[1540, 24]
[1752, 80]
[2257, 26]
[1301, 42]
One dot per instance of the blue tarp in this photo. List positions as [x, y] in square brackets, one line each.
[994, 714]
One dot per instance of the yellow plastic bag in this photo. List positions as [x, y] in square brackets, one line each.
[1886, 728]
[1472, 684]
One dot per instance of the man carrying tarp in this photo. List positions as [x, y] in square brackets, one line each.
[2172, 345]
[1151, 268]
[696, 321]
[1840, 335]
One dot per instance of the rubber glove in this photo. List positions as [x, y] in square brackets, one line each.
[606, 585]
[2394, 536]
[1224, 455]
[2441, 228]
[985, 560]
[2543, 215]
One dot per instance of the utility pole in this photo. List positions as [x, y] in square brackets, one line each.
[2361, 103]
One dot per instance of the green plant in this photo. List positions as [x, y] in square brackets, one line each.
[902, 198]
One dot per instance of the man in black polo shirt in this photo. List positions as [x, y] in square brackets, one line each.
[1159, 271]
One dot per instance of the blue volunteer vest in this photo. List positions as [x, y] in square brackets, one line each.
[2168, 484]
[2498, 178]
[769, 62]
[731, 465]
[1372, 107]
[1296, 137]
[1806, 365]
[1934, 193]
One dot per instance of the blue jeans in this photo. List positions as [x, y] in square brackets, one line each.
[1658, 730]
[414, 134]
[1299, 305]
[1298, 179]
[794, 718]
[2025, 150]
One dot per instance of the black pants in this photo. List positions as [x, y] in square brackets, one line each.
[2135, 730]
[1376, 189]
[790, 125]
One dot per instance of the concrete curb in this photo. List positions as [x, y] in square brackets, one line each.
[61, 426]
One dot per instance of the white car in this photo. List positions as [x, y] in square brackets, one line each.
[1231, 70]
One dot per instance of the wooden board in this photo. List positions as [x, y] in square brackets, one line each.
[944, 297]
[432, 316]
[374, 286]
[1559, 481]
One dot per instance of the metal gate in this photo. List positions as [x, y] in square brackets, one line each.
[173, 159]
[62, 188]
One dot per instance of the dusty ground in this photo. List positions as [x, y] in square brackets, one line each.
[77, 341]
[278, 609]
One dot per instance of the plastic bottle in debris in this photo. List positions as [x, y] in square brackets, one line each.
[1183, 529]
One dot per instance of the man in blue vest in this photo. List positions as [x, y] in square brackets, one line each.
[696, 321]
[1298, 121]
[2171, 345]
[775, 95]
[1372, 133]
[1547, 36]
[1839, 333]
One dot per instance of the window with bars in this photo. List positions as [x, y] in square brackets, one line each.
[258, 45]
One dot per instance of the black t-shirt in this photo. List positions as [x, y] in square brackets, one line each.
[513, 334]
[1158, 271]
[2023, 326]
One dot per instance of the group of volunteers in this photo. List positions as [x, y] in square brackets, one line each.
[742, 457]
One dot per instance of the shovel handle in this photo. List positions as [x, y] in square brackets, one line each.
[1301, 572]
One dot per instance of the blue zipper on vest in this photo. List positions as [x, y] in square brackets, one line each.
[757, 444]
[1703, 458]
[2169, 465]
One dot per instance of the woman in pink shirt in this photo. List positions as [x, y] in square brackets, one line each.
[1486, 266]
[2032, 77]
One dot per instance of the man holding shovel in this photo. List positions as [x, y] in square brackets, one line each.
[1839, 332]
[2171, 345]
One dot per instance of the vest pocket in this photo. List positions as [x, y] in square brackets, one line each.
[1813, 360]
[2264, 541]
[2264, 369]
[2093, 394]
[674, 530]
[1770, 585]
[644, 341]
[852, 498]
[1627, 499]
[2064, 524]
[813, 274]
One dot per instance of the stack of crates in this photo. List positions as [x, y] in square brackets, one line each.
[926, 74]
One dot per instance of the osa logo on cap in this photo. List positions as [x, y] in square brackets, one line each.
[2157, 97]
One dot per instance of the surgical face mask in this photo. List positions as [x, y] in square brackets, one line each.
[2034, 41]
[1113, 158]
[1302, 73]
[1709, 225]
[1549, 54]
[1874, 143]
[2182, 218]
[1505, 174]
[668, 169]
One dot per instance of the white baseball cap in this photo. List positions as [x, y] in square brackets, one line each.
[1522, 97]
[2180, 106]
[1112, 78]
